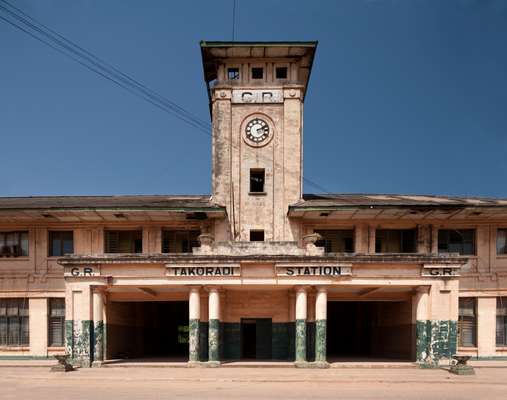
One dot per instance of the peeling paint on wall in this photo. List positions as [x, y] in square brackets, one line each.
[435, 340]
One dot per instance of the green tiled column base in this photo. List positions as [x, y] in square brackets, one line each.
[79, 341]
[435, 340]
[98, 341]
[193, 340]
[300, 340]
[214, 340]
[320, 340]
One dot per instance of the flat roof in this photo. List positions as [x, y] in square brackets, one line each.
[122, 202]
[398, 206]
[310, 43]
[393, 200]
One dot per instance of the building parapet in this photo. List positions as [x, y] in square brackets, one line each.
[394, 258]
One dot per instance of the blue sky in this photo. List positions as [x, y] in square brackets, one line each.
[405, 96]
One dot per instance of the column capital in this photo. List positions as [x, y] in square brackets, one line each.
[212, 289]
[301, 288]
[321, 289]
[422, 289]
[194, 289]
[98, 288]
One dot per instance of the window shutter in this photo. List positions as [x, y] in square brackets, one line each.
[467, 331]
[112, 242]
[56, 331]
[3, 331]
[467, 322]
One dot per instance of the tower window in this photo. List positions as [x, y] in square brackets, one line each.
[257, 178]
[257, 236]
[233, 74]
[257, 73]
[281, 73]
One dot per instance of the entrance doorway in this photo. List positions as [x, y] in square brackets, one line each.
[256, 336]
[148, 329]
[369, 329]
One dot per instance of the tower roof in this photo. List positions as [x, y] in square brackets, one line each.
[214, 53]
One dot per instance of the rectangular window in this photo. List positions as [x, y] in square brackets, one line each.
[257, 73]
[501, 321]
[257, 180]
[460, 241]
[396, 241]
[233, 74]
[56, 322]
[257, 236]
[123, 241]
[501, 241]
[13, 244]
[281, 72]
[60, 243]
[467, 322]
[336, 241]
[14, 322]
[179, 241]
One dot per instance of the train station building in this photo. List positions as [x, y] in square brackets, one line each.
[257, 270]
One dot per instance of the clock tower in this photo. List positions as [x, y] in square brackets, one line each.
[256, 92]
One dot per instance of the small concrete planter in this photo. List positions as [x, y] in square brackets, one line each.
[63, 364]
[460, 366]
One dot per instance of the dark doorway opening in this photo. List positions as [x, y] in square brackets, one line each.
[369, 330]
[148, 330]
[256, 337]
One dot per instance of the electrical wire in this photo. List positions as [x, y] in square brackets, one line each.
[95, 64]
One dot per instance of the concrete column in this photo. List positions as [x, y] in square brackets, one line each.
[69, 322]
[38, 326]
[79, 323]
[372, 233]
[486, 326]
[320, 325]
[98, 327]
[434, 239]
[214, 326]
[301, 313]
[420, 308]
[194, 315]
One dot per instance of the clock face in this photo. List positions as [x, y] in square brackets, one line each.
[257, 130]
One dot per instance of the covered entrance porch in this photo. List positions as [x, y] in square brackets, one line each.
[218, 324]
[301, 309]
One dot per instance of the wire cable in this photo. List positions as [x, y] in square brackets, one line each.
[95, 64]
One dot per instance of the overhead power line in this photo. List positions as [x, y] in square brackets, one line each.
[87, 59]
[65, 46]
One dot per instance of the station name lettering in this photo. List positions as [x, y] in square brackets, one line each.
[440, 272]
[204, 271]
[257, 96]
[332, 271]
[87, 271]
[81, 271]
